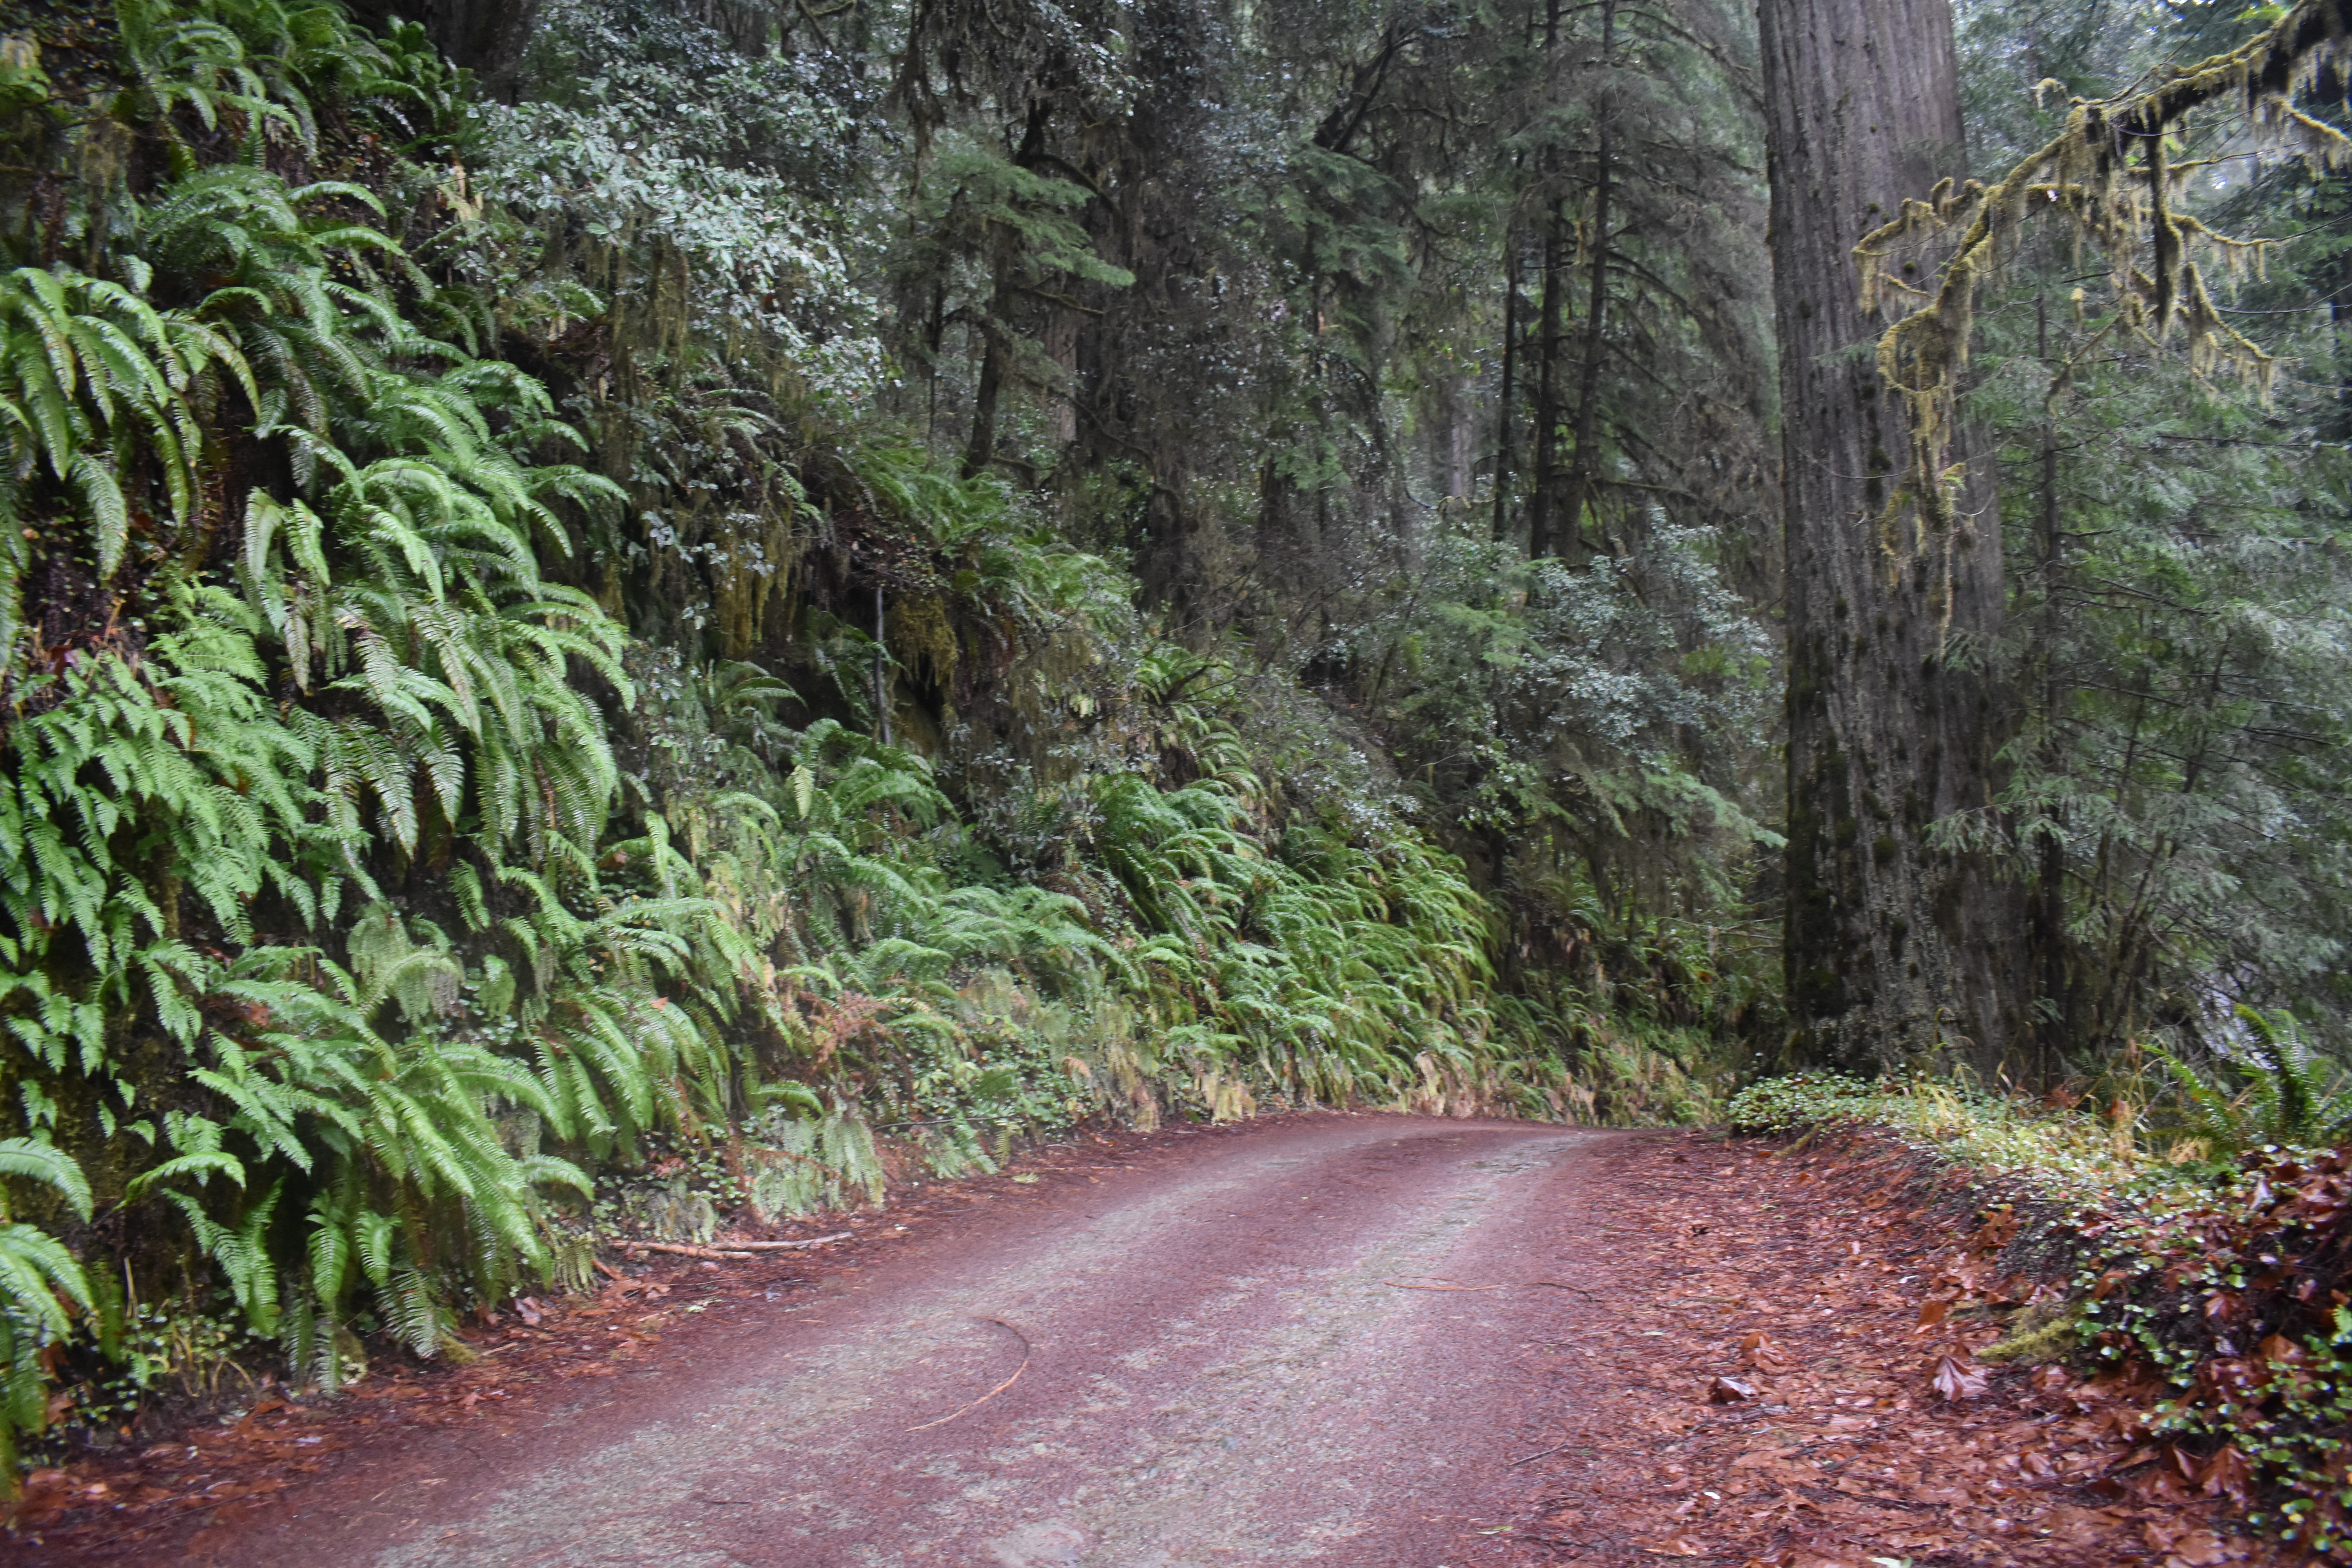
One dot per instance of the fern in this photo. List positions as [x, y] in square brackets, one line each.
[88, 373]
[2273, 1089]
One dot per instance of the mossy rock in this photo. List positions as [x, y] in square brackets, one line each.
[2047, 1331]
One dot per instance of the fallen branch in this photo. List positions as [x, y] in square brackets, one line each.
[1400, 1284]
[734, 1250]
[1555, 1449]
[1562, 1285]
[787, 1246]
[1026, 1351]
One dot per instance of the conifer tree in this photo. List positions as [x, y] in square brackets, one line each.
[1895, 947]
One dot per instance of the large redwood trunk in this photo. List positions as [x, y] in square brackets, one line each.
[1898, 951]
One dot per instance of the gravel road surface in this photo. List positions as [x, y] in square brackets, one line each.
[1214, 1367]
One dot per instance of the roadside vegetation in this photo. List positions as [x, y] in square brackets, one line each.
[2191, 1247]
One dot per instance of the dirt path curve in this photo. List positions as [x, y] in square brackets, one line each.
[1216, 1373]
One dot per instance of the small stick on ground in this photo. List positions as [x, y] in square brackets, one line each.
[1402, 1286]
[734, 1250]
[1026, 1351]
[1555, 1284]
[1563, 1285]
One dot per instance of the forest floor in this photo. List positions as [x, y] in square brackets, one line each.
[1363, 1341]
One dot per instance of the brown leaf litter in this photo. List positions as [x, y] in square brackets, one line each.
[1780, 1372]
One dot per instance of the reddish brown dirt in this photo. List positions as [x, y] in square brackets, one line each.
[1801, 1277]
[1354, 1340]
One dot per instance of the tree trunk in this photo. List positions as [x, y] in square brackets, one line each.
[2050, 947]
[1897, 950]
[1510, 390]
[1458, 458]
[981, 450]
[1545, 500]
[1583, 476]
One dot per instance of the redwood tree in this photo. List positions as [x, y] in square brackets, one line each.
[1897, 948]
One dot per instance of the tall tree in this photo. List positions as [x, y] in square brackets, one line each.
[1896, 947]
[2173, 787]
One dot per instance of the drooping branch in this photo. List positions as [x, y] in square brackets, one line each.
[2124, 205]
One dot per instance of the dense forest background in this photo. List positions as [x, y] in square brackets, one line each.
[618, 611]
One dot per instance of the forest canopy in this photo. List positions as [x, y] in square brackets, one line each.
[616, 612]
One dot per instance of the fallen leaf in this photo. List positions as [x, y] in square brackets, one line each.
[2189, 1549]
[1760, 1458]
[1730, 1390]
[2226, 1474]
[1954, 1381]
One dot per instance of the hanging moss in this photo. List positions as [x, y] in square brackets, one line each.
[2086, 178]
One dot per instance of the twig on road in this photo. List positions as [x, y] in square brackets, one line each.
[1562, 1285]
[1511, 1284]
[1402, 1286]
[1026, 1351]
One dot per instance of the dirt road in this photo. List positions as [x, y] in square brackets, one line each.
[1214, 1368]
[1346, 1341]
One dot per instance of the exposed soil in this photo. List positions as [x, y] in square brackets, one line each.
[1361, 1341]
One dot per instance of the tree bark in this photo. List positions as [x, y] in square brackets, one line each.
[1583, 476]
[1545, 498]
[1897, 951]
